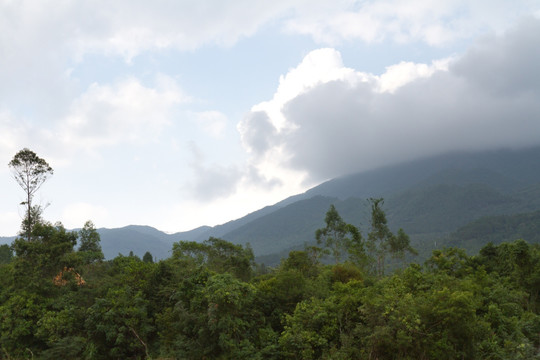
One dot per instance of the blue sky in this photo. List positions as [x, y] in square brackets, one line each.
[178, 114]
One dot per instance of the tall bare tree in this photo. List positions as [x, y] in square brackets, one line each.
[30, 171]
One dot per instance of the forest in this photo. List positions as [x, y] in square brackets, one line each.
[351, 295]
[59, 299]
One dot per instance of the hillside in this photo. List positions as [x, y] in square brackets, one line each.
[505, 170]
[496, 229]
[429, 198]
[6, 239]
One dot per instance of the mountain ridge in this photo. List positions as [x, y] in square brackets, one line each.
[428, 197]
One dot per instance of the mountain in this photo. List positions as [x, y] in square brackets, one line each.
[431, 199]
[6, 239]
[220, 230]
[497, 229]
[138, 239]
[504, 170]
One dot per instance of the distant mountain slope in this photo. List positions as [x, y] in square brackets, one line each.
[138, 239]
[497, 229]
[442, 207]
[141, 239]
[506, 170]
[436, 210]
[220, 230]
[6, 239]
[285, 227]
[428, 198]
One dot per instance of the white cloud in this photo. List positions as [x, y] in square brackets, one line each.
[211, 182]
[125, 112]
[403, 73]
[334, 125]
[434, 22]
[212, 122]
[42, 40]
[9, 223]
[214, 181]
[325, 65]
[264, 129]
[128, 28]
[76, 214]
[319, 66]
[11, 135]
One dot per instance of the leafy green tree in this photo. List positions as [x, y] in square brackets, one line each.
[38, 261]
[129, 271]
[90, 247]
[224, 256]
[310, 331]
[380, 235]
[31, 219]
[325, 328]
[147, 257]
[302, 262]
[399, 244]
[182, 322]
[30, 171]
[339, 237]
[450, 261]
[233, 322]
[218, 255]
[381, 241]
[279, 294]
[6, 254]
[519, 263]
[19, 315]
[60, 328]
[118, 325]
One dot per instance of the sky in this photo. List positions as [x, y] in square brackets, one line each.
[178, 114]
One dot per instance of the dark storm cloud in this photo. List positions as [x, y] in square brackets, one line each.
[489, 98]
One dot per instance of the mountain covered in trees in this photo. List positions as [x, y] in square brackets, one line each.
[431, 199]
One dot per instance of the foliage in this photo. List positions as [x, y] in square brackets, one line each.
[90, 248]
[118, 324]
[6, 254]
[49, 251]
[218, 255]
[381, 241]
[147, 257]
[205, 302]
[340, 238]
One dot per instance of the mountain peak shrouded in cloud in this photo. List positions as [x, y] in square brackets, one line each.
[484, 99]
[177, 114]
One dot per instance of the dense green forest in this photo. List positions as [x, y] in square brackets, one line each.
[59, 299]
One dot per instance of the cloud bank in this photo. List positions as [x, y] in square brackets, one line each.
[333, 120]
[82, 85]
